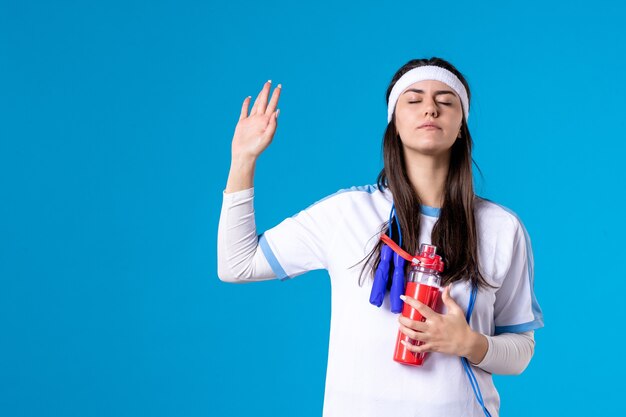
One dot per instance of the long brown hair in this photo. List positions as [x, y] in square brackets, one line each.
[454, 233]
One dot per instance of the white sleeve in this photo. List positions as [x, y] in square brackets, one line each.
[516, 309]
[508, 353]
[239, 257]
[300, 243]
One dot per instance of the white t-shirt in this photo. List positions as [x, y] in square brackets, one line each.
[362, 379]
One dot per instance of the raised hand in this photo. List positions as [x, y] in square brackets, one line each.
[255, 131]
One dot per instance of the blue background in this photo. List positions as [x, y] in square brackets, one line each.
[115, 125]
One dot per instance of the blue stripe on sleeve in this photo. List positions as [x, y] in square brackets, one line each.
[271, 259]
[520, 328]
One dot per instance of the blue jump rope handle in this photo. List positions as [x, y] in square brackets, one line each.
[397, 284]
[381, 277]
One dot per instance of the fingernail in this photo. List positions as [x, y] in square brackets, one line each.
[269, 81]
[403, 297]
[279, 86]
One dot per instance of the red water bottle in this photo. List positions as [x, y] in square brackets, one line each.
[423, 284]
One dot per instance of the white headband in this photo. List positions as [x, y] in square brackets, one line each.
[427, 72]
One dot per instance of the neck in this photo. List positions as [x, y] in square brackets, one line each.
[427, 174]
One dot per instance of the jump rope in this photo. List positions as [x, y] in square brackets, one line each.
[397, 288]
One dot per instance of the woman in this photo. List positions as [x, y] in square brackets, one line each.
[424, 194]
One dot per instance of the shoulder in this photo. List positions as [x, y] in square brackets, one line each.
[500, 230]
[502, 236]
[493, 217]
[358, 196]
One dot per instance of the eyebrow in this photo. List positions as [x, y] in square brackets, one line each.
[438, 92]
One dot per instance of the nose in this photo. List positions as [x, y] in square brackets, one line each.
[430, 108]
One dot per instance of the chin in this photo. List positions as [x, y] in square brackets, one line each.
[427, 150]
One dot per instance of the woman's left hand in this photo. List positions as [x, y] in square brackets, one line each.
[446, 333]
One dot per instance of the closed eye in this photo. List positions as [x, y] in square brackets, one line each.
[440, 102]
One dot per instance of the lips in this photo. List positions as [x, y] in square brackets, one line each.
[429, 126]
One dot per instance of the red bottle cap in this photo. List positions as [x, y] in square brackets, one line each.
[429, 259]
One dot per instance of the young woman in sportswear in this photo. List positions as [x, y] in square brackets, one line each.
[424, 194]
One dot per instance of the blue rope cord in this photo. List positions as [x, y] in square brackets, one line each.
[393, 208]
[465, 362]
[399, 228]
[393, 214]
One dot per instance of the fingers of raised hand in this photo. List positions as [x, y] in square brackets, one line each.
[244, 108]
[274, 100]
[260, 103]
[257, 100]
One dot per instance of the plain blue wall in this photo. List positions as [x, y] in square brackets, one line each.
[115, 125]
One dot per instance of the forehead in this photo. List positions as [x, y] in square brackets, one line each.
[429, 86]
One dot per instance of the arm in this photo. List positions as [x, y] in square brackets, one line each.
[516, 311]
[298, 244]
[239, 255]
[506, 353]
[240, 258]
